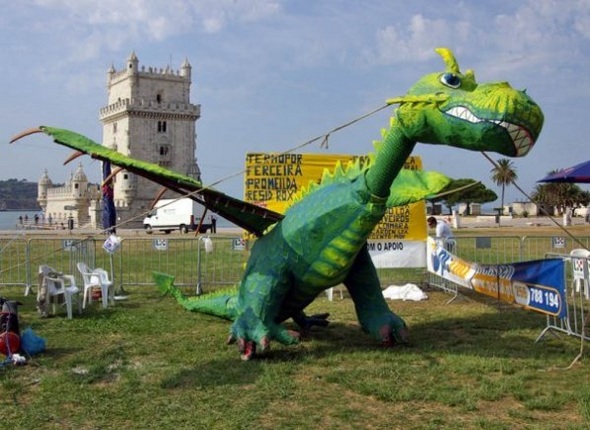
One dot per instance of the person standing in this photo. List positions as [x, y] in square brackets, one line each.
[213, 224]
[444, 235]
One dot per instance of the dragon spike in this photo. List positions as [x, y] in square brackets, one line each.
[158, 197]
[449, 58]
[110, 177]
[25, 133]
[73, 156]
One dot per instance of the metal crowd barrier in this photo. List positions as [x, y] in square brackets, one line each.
[198, 263]
[504, 250]
[577, 296]
[200, 269]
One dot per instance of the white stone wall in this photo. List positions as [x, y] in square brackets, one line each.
[75, 194]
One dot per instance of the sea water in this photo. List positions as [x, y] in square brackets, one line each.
[9, 219]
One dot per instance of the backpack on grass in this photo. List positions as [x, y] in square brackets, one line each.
[10, 340]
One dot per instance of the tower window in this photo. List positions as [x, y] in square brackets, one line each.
[159, 98]
[114, 127]
[161, 126]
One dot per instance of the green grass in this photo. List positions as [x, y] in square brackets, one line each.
[147, 363]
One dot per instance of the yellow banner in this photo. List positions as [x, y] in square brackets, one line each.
[271, 181]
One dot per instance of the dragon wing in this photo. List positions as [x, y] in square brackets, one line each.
[248, 216]
[411, 186]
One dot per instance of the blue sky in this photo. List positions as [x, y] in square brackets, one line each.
[271, 74]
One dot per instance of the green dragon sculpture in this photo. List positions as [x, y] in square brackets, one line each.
[321, 239]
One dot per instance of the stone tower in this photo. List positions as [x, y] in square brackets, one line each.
[149, 117]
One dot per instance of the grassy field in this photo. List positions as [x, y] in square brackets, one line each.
[147, 363]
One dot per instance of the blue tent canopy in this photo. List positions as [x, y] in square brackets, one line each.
[578, 174]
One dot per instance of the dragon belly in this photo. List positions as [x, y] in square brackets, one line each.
[327, 230]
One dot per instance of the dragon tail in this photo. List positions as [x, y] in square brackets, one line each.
[220, 303]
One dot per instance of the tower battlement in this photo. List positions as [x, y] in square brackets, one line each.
[151, 106]
[152, 72]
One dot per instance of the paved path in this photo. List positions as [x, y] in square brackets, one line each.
[505, 221]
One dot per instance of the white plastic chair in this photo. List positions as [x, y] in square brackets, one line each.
[66, 286]
[95, 278]
[57, 285]
[330, 293]
[581, 279]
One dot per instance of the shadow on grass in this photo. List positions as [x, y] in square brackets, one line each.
[509, 334]
[217, 372]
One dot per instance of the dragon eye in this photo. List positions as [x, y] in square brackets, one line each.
[450, 80]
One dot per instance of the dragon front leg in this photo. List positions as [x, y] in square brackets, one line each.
[372, 310]
[265, 284]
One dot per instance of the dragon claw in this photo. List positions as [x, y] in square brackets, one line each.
[264, 343]
[390, 336]
[247, 349]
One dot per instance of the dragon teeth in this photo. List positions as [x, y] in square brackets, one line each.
[463, 113]
[520, 137]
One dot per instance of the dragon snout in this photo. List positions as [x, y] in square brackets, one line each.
[519, 115]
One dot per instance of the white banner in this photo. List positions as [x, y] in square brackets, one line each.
[391, 254]
[442, 263]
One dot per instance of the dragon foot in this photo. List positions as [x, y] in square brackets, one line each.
[388, 328]
[307, 322]
[252, 335]
[392, 336]
[248, 348]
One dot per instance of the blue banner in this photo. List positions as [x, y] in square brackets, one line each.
[537, 285]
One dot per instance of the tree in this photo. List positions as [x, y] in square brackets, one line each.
[477, 193]
[504, 174]
[561, 195]
[18, 194]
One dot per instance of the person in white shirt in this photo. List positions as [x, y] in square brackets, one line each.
[444, 235]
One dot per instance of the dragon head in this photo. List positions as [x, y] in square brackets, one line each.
[452, 108]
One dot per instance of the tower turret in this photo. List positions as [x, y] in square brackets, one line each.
[186, 69]
[132, 64]
[42, 186]
[79, 183]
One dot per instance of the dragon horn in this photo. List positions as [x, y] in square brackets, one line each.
[449, 58]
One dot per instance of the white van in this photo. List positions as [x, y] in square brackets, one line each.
[175, 214]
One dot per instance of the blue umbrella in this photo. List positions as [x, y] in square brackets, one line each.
[578, 174]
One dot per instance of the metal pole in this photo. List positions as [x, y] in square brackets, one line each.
[199, 290]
